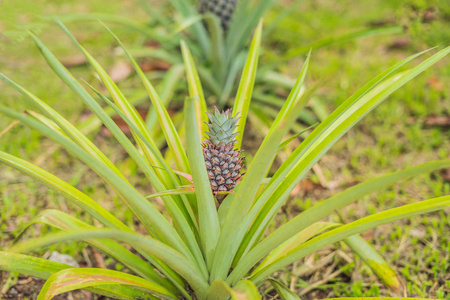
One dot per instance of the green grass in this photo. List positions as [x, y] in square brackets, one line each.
[389, 139]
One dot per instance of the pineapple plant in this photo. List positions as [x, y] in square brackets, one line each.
[223, 163]
[220, 45]
[223, 9]
[199, 252]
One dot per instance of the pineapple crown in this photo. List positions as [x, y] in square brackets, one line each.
[221, 127]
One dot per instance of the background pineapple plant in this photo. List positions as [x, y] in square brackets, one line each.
[218, 33]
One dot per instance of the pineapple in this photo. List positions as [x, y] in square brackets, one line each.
[222, 160]
[223, 9]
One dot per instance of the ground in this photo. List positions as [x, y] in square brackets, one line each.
[411, 127]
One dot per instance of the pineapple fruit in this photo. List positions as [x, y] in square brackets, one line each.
[223, 9]
[222, 160]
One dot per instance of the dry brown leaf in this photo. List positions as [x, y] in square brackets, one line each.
[368, 235]
[435, 83]
[152, 44]
[305, 186]
[400, 43]
[443, 121]
[120, 71]
[74, 61]
[150, 65]
[9, 127]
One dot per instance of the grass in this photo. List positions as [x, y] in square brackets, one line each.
[392, 137]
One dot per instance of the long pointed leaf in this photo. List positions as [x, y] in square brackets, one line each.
[138, 204]
[42, 268]
[283, 291]
[346, 37]
[296, 241]
[325, 208]
[233, 229]
[198, 29]
[65, 125]
[74, 195]
[129, 110]
[217, 46]
[29, 265]
[328, 132]
[207, 213]
[72, 279]
[243, 23]
[352, 228]
[171, 257]
[375, 261]
[232, 73]
[244, 93]
[177, 211]
[66, 222]
[178, 191]
[288, 164]
[166, 91]
[79, 198]
[195, 89]
[148, 214]
[172, 138]
[114, 18]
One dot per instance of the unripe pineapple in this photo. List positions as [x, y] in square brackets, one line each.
[223, 9]
[222, 160]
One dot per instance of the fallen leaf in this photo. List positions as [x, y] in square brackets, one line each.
[368, 235]
[9, 127]
[150, 65]
[435, 83]
[305, 186]
[74, 61]
[400, 43]
[152, 44]
[442, 121]
[120, 71]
